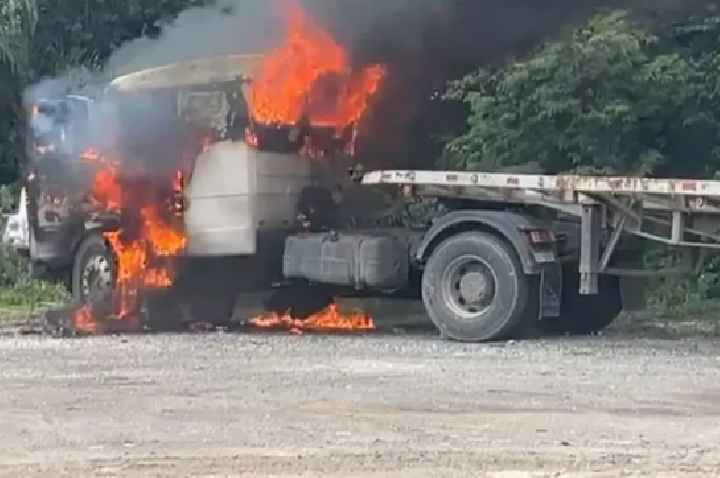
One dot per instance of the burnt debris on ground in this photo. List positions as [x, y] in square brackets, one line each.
[163, 311]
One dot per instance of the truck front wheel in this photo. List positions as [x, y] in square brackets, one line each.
[94, 270]
[474, 288]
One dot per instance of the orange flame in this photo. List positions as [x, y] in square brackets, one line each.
[310, 77]
[84, 321]
[330, 319]
[139, 258]
[133, 269]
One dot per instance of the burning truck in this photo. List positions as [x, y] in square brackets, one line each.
[186, 190]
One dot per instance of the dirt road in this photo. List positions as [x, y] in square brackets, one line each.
[249, 405]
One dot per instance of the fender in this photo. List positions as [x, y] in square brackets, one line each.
[109, 222]
[509, 225]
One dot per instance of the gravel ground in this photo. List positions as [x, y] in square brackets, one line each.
[412, 406]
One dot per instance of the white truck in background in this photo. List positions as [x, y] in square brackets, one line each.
[16, 231]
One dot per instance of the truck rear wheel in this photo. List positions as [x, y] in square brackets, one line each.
[474, 288]
[584, 314]
[94, 270]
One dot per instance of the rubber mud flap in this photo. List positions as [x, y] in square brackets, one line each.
[353, 260]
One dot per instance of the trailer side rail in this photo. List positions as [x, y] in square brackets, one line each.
[620, 185]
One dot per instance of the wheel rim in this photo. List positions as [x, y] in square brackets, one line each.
[97, 278]
[468, 286]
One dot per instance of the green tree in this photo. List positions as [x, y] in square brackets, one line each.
[85, 32]
[609, 97]
[17, 24]
[18, 19]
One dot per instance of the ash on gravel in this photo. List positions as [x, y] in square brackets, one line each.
[238, 405]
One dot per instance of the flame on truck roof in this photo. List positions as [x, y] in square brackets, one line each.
[198, 72]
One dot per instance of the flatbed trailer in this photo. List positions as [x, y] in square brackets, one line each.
[488, 209]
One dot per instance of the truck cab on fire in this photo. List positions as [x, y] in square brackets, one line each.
[188, 118]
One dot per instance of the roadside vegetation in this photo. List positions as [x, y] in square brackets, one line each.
[21, 295]
[617, 94]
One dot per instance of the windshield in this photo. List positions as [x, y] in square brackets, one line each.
[58, 126]
[161, 127]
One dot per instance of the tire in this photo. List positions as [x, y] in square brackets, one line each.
[94, 270]
[493, 279]
[584, 314]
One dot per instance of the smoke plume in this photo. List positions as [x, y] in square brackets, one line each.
[228, 27]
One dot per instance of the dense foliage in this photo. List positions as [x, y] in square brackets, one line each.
[613, 96]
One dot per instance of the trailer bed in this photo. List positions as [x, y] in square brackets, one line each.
[679, 212]
[543, 182]
[656, 194]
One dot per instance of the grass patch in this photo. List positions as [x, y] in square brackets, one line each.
[28, 298]
[15, 313]
[22, 296]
